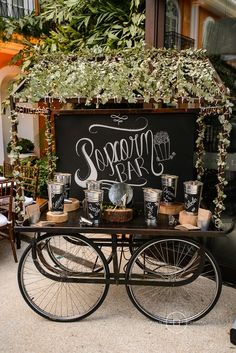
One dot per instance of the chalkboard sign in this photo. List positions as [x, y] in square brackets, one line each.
[134, 147]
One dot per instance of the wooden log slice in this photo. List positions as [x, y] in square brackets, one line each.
[118, 215]
[57, 218]
[171, 209]
[187, 218]
[74, 205]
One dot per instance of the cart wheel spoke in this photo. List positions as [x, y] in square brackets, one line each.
[181, 293]
[54, 284]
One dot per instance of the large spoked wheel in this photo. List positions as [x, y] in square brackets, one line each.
[62, 289]
[181, 281]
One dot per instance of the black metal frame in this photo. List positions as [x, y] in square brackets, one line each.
[135, 236]
[116, 238]
[117, 277]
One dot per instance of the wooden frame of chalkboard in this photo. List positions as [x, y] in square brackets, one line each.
[134, 146]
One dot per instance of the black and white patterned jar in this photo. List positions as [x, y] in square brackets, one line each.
[169, 188]
[64, 178]
[56, 195]
[152, 199]
[93, 203]
[192, 196]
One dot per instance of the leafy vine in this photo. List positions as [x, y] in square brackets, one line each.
[14, 155]
[223, 113]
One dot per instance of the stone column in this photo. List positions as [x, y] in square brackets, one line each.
[194, 22]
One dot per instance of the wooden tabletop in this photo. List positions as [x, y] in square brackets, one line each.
[136, 226]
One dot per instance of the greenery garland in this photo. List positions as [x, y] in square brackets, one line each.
[15, 160]
[223, 143]
[200, 151]
[50, 147]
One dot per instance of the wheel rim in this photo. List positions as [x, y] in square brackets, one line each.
[54, 298]
[173, 260]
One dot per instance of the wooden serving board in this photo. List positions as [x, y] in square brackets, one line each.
[171, 209]
[118, 215]
[57, 218]
[74, 205]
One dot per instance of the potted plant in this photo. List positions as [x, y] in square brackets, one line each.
[25, 146]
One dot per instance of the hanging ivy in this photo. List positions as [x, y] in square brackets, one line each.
[50, 147]
[14, 155]
[223, 143]
[200, 151]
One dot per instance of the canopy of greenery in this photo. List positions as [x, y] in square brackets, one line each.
[68, 25]
[130, 74]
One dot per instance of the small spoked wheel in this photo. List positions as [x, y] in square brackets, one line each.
[58, 278]
[103, 241]
[102, 245]
[173, 281]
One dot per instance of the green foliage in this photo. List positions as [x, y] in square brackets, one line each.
[25, 145]
[69, 25]
[42, 163]
[132, 73]
[29, 26]
[105, 23]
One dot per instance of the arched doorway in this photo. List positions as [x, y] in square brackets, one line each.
[27, 128]
[172, 21]
[172, 24]
[207, 25]
[7, 75]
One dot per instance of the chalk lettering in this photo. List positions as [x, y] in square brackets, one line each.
[124, 159]
[84, 148]
[122, 176]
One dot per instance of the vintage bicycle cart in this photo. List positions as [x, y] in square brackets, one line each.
[65, 273]
[170, 277]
